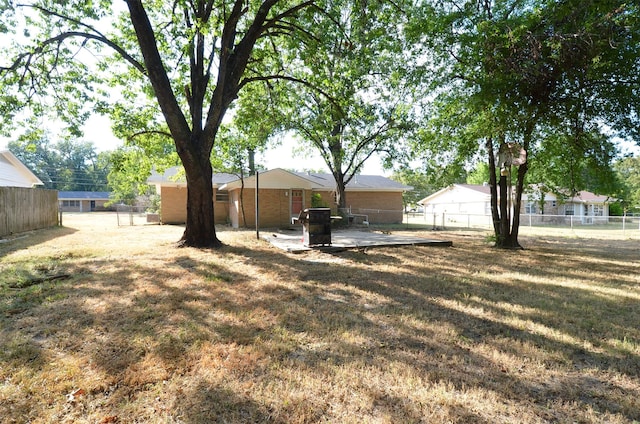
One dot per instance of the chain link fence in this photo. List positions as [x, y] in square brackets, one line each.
[587, 226]
[135, 215]
[366, 217]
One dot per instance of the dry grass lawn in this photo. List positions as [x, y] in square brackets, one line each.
[107, 324]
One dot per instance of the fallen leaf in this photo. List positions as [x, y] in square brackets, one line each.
[71, 397]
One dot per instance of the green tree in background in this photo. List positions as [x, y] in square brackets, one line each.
[65, 165]
[355, 101]
[572, 161]
[133, 163]
[422, 185]
[628, 170]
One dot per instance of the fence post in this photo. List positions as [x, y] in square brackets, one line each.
[443, 220]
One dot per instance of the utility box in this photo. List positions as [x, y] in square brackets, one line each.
[316, 226]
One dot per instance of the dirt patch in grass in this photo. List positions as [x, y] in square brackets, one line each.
[143, 332]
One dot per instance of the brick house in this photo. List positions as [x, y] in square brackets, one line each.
[172, 188]
[282, 195]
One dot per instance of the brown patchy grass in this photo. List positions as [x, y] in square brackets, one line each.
[143, 332]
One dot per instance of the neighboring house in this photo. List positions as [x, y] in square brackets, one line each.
[82, 201]
[282, 195]
[587, 207]
[472, 199]
[14, 173]
[459, 199]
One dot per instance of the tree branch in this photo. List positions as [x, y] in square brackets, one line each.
[297, 81]
[93, 34]
[140, 133]
[275, 20]
[71, 34]
[158, 77]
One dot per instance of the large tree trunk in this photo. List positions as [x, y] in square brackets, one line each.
[493, 187]
[506, 219]
[510, 239]
[509, 217]
[504, 211]
[200, 230]
[341, 199]
[517, 206]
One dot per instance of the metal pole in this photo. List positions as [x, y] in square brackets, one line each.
[257, 208]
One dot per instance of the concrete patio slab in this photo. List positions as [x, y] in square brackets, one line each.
[341, 240]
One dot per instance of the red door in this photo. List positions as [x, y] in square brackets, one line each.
[296, 202]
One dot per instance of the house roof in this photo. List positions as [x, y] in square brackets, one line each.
[14, 173]
[279, 178]
[484, 188]
[83, 195]
[174, 177]
[483, 191]
[588, 197]
[358, 182]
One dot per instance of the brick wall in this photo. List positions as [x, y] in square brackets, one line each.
[274, 207]
[220, 211]
[173, 207]
[380, 207]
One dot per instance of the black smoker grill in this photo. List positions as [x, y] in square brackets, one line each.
[316, 226]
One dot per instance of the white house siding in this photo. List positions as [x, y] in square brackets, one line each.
[456, 200]
[585, 208]
[14, 174]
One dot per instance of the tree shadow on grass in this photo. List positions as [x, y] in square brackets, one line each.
[557, 310]
[205, 338]
[205, 403]
[29, 239]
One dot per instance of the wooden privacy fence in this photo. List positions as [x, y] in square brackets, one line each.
[26, 209]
